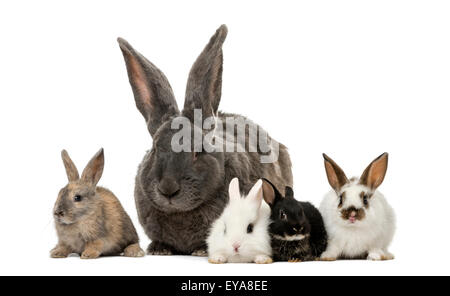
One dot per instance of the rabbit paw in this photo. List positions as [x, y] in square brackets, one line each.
[327, 256]
[217, 259]
[388, 256]
[90, 254]
[200, 253]
[379, 256]
[158, 249]
[294, 260]
[133, 251]
[263, 259]
[59, 252]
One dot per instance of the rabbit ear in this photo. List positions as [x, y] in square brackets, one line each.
[204, 87]
[374, 174]
[256, 193]
[233, 190]
[289, 192]
[71, 169]
[94, 169]
[336, 176]
[152, 92]
[270, 192]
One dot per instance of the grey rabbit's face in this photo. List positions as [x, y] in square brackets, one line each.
[78, 198]
[179, 182]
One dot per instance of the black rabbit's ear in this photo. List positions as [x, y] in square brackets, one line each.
[336, 176]
[289, 192]
[71, 169]
[204, 87]
[152, 92]
[270, 193]
[94, 169]
[374, 174]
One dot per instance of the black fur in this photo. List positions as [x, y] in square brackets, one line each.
[291, 217]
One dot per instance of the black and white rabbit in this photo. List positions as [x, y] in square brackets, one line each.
[359, 220]
[180, 194]
[297, 228]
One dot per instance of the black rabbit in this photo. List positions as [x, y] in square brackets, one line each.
[180, 194]
[297, 228]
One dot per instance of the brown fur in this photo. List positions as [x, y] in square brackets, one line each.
[369, 195]
[360, 213]
[342, 197]
[336, 176]
[97, 225]
[374, 174]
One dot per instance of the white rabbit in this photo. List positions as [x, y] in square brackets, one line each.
[359, 221]
[241, 234]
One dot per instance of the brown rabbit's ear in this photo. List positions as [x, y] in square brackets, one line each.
[152, 92]
[204, 87]
[374, 174]
[71, 169]
[94, 169]
[336, 176]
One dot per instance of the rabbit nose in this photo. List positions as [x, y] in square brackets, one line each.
[59, 213]
[168, 187]
[236, 247]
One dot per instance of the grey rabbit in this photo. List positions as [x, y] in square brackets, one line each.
[180, 194]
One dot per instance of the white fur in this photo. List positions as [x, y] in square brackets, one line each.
[371, 235]
[290, 238]
[240, 212]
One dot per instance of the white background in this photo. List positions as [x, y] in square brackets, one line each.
[349, 78]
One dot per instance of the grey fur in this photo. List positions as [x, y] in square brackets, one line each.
[180, 224]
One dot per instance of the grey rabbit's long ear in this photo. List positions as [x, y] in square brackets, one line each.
[204, 87]
[152, 91]
[94, 169]
[71, 169]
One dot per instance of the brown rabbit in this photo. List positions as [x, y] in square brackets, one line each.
[90, 220]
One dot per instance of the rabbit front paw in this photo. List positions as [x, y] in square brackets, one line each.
[59, 252]
[263, 259]
[133, 251]
[380, 256]
[90, 254]
[159, 249]
[328, 256]
[200, 253]
[217, 259]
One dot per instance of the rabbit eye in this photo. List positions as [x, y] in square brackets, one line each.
[341, 200]
[77, 198]
[250, 228]
[283, 216]
[365, 200]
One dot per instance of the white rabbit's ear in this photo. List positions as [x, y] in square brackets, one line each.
[71, 169]
[233, 190]
[336, 176]
[256, 193]
[374, 174]
[152, 91]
